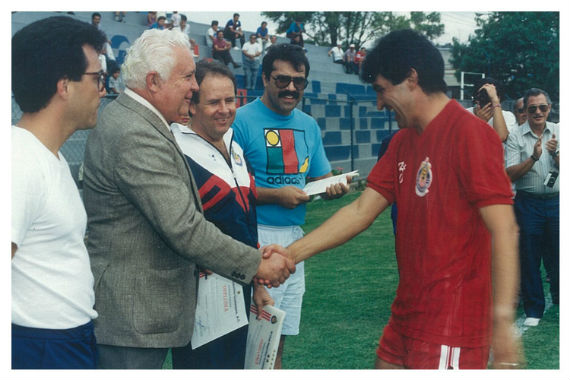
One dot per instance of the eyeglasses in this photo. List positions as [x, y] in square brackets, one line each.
[282, 81]
[100, 79]
[520, 110]
[542, 107]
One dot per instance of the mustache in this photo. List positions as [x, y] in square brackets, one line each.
[294, 94]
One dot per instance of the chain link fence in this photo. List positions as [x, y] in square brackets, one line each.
[74, 148]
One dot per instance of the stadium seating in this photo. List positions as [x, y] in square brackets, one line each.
[342, 105]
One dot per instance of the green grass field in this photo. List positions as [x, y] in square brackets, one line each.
[347, 301]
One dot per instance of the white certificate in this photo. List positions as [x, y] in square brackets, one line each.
[263, 337]
[320, 186]
[220, 309]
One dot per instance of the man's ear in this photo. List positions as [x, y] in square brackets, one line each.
[265, 80]
[152, 81]
[412, 78]
[63, 88]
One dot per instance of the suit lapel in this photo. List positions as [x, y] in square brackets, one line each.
[164, 130]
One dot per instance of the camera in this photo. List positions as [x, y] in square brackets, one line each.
[551, 178]
[482, 98]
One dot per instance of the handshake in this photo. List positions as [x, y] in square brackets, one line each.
[274, 269]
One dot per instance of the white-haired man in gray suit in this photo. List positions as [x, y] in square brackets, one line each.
[147, 232]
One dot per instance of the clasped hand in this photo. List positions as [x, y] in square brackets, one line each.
[274, 269]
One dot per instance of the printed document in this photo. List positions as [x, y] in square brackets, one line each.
[320, 186]
[263, 337]
[220, 309]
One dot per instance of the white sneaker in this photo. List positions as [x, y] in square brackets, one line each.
[236, 48]
[531, 322]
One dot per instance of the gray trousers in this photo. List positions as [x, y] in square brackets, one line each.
[117, 357]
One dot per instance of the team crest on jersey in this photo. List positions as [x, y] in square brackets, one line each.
[237, 159]
[424, 178]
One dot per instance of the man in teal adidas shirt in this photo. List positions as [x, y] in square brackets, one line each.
[284, 147]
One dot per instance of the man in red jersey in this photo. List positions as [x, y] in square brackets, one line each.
[456, 245]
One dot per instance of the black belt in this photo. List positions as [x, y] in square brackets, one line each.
[537, 196]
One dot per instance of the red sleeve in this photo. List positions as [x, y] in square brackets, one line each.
[481, 167]
[382, 176]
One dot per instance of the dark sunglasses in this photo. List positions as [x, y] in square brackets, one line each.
[542, 107]
[520, 110]
[282, 81]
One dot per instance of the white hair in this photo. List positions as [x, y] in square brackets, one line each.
[152, 51]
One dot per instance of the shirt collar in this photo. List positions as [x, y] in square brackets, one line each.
[147, 104]
[525, 128]
[175, 127]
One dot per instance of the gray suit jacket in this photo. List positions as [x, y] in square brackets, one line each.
[147, 233]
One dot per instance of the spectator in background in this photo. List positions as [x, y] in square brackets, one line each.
[233, 31]
[96, 19]
[487, 107]
[185, 28]
[533, 164]
[263, 36]
[214, 156]
[212, 33]
[119, 16]
[337, 54]
[349, 64]
[272, 41]
[221, 50]
[103, 61]
[57, 82]
[150, 18]
[295, 33]
[96, 22]
[359, 58]
[175, 19]
[251, 52]
[519, 111]
[116, 85]
[159, 24]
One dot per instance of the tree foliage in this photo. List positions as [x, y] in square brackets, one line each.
[327, 28]
[519, 49]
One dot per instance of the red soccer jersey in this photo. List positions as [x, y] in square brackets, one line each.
[439, 180]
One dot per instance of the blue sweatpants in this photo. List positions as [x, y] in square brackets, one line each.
[54, 349]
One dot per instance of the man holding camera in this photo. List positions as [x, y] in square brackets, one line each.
[487, 107]
[533, 159]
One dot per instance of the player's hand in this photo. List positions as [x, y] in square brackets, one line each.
[268, 250]
[291, 197]
[273, 271]
[507, 351]
[266, 253]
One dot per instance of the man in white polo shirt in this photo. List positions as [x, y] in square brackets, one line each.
[57, 81]
[251, 52]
